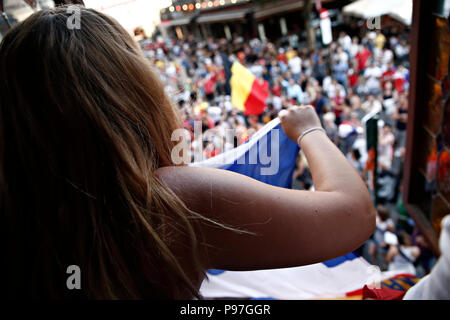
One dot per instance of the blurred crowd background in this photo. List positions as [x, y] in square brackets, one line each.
[347, 82]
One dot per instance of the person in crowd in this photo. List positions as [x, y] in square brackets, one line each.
[372, 75]
[354, 48]
[319, 102]
[345, 42]
[372, 104]
[400, 116]
[386, 142]
[390, 96]
[302, 175]
[378, 247]
[436, 285]
[426, 259]
[319, 70]
[401, 257]
[340, 69]
[380, 40]
[329, 124]
[362, 57]
[295, 66]
[294, 91]
[354, 157]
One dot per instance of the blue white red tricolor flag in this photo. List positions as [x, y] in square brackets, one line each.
[269, 156]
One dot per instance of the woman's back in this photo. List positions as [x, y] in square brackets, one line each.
[84, 126]
[87, 177]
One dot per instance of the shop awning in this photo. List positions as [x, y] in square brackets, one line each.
[403, 12]
[365, 9]
[223, 16]
[278, 8]
[178, 22]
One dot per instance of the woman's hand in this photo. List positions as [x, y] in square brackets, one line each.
[297, 120]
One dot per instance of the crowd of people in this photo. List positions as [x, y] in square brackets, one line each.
[347, 82]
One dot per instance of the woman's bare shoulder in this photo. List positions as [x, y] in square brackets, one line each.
[186, 179]
[288, 227]
[176, 175]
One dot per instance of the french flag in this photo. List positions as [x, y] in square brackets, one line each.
[270, 156]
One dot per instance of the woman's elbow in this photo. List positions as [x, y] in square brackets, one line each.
[368, 216]
[363, 214]
[372, 222]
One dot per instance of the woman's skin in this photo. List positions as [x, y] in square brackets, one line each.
[291, 227]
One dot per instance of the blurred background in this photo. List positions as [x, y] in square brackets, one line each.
[375, 70]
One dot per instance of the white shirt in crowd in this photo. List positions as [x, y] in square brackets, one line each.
[382, 227]
[277, 102]
[345, 42]
[436, 285]
[354, 49]
[331, 89]
[372, 75]
[295, 65]
[373, 72]
[387, 57]
[401, 50]
[342, 56]
[374, 106]
[226, 104]
[386, 149]
[404, 262]
[389, 105]
[257, 70]
[215, 113]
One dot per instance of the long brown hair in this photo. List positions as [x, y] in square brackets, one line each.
[84, 124]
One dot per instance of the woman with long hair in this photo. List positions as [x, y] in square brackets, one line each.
[87, 179]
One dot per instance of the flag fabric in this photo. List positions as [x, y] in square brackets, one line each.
[268, 156]
[248, 93]
[336, 278]
[340, 278]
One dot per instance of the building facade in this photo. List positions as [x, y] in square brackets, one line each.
[266, 19]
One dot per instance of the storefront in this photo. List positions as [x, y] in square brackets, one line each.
[268, 20]
[225, 24]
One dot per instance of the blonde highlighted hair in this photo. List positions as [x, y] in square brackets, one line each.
[84, 124]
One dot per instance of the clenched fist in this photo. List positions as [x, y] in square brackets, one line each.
[297, 120]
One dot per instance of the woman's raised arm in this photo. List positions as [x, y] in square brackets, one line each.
[289, 227]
